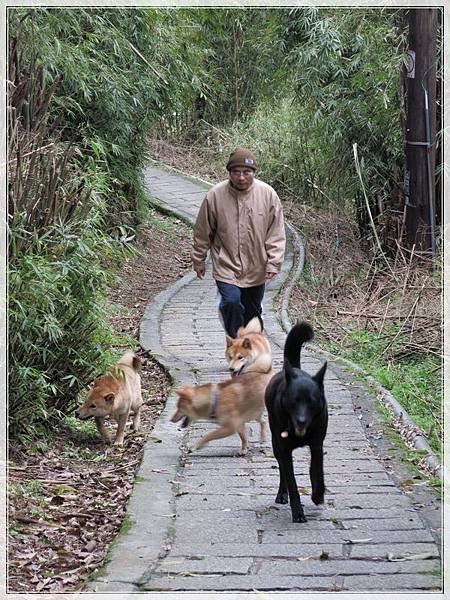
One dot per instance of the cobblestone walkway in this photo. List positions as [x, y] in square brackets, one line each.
[208, 521]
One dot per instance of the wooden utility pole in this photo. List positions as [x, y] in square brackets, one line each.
[421, 130]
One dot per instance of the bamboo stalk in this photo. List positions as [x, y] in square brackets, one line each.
[358, 170]
[402, 326]
[385, 314]
[407, 275]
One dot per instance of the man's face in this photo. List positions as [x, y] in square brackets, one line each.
[241, 177]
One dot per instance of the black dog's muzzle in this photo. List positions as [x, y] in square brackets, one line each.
[300, 427]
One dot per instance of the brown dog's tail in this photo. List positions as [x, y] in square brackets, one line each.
[298, 335]
[131, 360]
[253, 326]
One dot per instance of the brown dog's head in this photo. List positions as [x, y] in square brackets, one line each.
[100, 398]
[184, 406]
[246, 348]
[239, 354]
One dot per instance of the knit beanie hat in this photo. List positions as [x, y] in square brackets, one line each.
[241, 157]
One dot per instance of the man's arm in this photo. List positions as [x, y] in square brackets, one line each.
[204, 231]
[275, 239]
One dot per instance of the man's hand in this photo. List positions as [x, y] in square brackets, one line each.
[200, 272]
[270, 276]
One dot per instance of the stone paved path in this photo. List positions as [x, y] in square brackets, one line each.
[208, 521]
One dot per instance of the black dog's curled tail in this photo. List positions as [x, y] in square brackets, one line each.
[298, 335]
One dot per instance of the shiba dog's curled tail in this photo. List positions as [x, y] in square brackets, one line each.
[298, 335]
[131, 360]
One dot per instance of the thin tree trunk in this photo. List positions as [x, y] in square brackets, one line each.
[420, 157]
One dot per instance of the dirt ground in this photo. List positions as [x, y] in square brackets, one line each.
[67, 501]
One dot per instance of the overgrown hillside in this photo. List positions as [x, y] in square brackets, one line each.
[318, 94]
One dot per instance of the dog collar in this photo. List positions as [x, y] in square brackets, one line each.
[212, 414]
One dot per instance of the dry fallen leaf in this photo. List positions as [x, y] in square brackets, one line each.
[424, 556]
[40, 586]
[90, 546]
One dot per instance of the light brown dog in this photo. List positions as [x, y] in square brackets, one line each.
[250, 351]
[116, 395]
[231, 404]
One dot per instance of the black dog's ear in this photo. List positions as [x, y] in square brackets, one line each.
[318, 377]
[289, 370]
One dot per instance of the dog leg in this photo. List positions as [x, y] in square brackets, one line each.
[244, 448]
[217, 434]
[316, 474]
[298, 516]
[137, 419]
[282, 495]
[100, 422]
[263, 433]
[122, 421]
[287, 478]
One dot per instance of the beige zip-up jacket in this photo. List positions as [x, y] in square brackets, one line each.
[244, 230]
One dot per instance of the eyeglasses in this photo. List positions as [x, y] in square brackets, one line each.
[245, 173]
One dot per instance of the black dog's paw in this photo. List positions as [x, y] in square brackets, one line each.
[282, 498]
[317, 498]
[299, 518]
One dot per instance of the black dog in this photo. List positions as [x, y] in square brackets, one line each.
[298, 416]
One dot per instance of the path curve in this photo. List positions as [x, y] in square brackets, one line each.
[207, 521]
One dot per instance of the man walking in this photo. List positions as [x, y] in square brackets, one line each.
[241, 222]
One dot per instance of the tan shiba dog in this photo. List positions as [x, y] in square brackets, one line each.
[116, 394]
[249, 351]
[231, 404]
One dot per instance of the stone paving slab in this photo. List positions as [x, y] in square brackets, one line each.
[301, 550]
[207, 521]
[330, 583]
[312, 566]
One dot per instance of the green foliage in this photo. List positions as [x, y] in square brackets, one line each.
[301, 87]
[75, 451]
[415, 382]
[168, 223]
[346, 66]
[242, 59]
[55, 278]
[57, 324]
[82, 430]
[121, 70]
[27, 489]
[86, 86]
